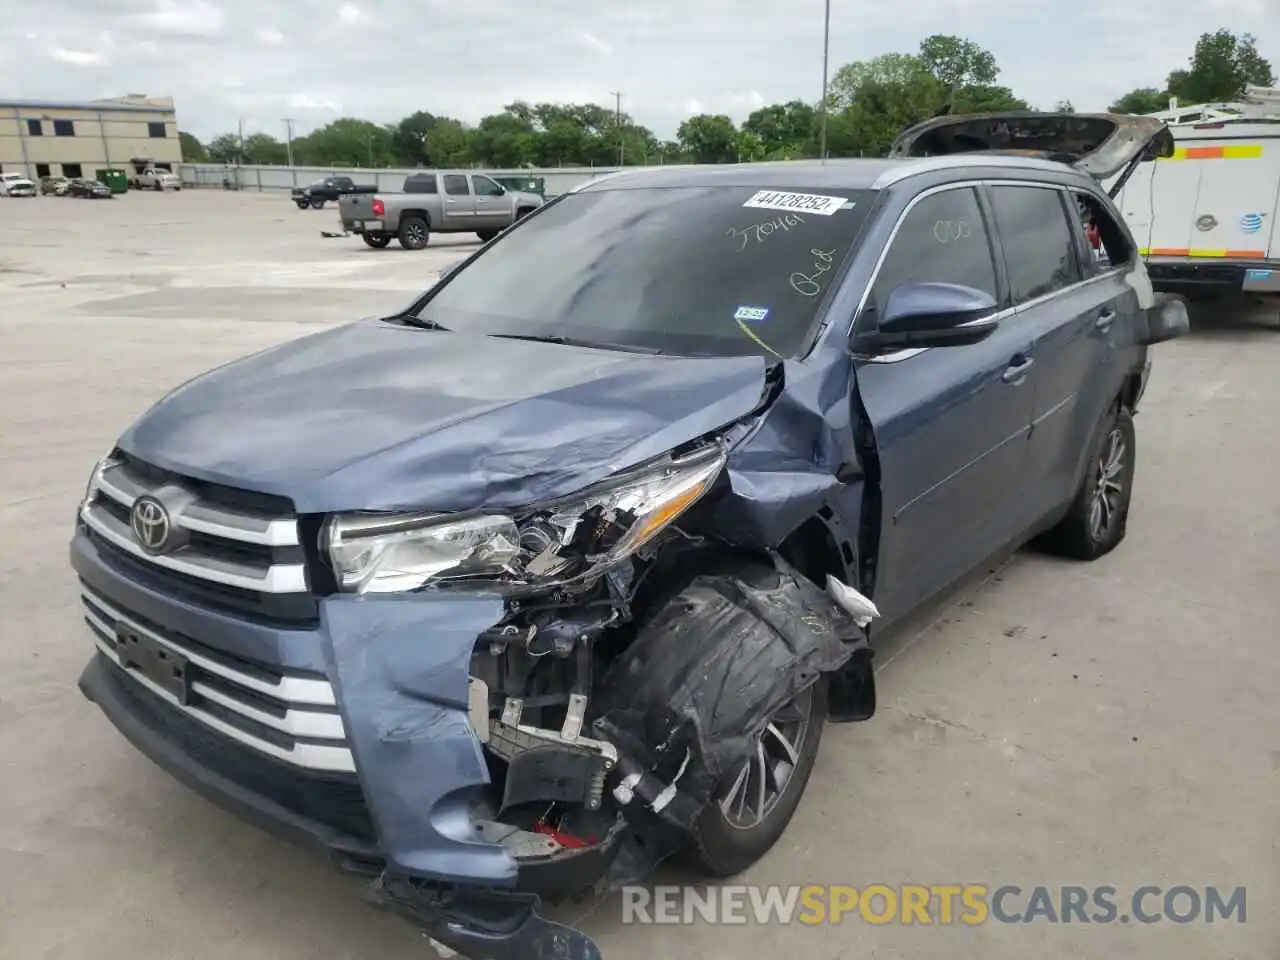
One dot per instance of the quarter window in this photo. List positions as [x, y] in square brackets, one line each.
[456, 185]
[942, 239]
[1037, 237]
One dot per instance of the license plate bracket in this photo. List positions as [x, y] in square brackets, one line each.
[161, 665]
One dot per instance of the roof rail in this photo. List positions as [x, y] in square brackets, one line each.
[1258, 103]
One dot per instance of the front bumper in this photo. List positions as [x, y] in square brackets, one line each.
[405, 817]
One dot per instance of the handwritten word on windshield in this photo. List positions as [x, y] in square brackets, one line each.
[759, 232]
[808, 284]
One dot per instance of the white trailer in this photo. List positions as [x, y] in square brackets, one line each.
[1208, 218]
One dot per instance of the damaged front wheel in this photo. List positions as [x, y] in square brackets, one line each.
[757, 799]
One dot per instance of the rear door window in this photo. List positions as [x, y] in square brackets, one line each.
[942, 239]
[1039, 244]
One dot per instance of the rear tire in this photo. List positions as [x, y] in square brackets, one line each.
[302, 204]
[1098, 517]
[376, 240]
[725, 841]
[414, 233]
[317, 204]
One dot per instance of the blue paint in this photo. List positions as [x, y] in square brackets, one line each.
[1251, 222]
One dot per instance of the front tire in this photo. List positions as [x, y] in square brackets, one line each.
[487, 235]
[1098, 517]
[414, 233]
[756, 801]
[376, 240]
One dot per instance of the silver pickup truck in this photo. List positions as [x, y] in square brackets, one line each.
[440, 202]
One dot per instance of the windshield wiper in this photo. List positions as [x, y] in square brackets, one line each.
[413, 320]
[574, 342]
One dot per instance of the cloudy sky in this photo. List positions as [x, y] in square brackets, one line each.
[315, 60]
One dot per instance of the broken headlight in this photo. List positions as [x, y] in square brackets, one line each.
[559, 543]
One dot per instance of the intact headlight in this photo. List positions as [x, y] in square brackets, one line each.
[559, 543]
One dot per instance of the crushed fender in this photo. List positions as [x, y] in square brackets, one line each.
[691, 694]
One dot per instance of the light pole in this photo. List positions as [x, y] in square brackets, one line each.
[288, 134]
[617, 123]
[826, 47]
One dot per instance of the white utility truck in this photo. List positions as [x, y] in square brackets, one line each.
[1206, 219]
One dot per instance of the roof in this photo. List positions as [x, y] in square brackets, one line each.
[92, 105]
[856, 174]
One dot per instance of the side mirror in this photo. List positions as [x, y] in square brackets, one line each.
[931, 315]
[1166, 320]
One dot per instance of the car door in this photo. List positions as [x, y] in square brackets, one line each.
[459, 202]
[493, 204]
[951, 424]
[1072, 320]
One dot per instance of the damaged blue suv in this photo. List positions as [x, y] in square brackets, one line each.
[562, 570]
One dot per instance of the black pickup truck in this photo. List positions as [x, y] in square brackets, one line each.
[316, 195]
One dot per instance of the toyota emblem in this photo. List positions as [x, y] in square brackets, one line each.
[150, 522]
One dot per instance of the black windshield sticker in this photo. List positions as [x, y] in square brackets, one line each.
[815, 203]
[952, 231]
[760, 232]
[809, 284]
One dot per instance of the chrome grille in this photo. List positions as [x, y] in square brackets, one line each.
[290, 718]
[234, 547]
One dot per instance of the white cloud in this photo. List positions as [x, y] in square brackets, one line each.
[78, 58]
[181, 18]
[593, 43]
[317, 59]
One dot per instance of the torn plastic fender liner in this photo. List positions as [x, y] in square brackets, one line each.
[689, 697]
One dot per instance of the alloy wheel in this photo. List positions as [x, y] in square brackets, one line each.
[1108, 486]
[762, 780]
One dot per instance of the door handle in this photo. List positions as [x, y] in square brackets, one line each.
[1016, 372]
[1105, 319]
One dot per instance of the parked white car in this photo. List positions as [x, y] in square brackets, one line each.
[16, 185]
[157, 178]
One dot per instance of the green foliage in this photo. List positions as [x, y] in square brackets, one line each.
[193, 150]
[869, 103]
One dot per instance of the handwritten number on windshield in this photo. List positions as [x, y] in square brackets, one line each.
[951, 231]
[808, 284]
[759, 232]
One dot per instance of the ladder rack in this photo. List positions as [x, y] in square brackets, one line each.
[1259, 103]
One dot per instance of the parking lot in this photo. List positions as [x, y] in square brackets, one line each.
[1050, 723]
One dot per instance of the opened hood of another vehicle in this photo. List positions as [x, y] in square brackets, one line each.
[1099, 144]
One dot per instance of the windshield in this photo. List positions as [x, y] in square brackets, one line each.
[719, 271]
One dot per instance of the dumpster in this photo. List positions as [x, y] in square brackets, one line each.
[114, 177]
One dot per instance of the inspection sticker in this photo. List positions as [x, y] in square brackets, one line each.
[751, 314]
[814, 203]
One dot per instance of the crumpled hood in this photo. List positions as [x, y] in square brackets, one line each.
[378, 416]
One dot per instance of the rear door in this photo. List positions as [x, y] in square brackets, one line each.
[459, 202]
[951, 424]
[493, 204]
[1074, 311]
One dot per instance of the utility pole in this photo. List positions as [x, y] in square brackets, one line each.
[240, 128]
[288, 133]
[826, 47]
[617, 122]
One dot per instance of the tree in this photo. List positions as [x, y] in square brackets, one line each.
[193, 150]
[786, 130]
[1221, 67]
[876, 99]
[1140, 101]
[956, 62]
[448, 144]
[408, 143]
[1064, 106]
[224, 148]
[347, 142]
[264, 148]
[709, 138]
